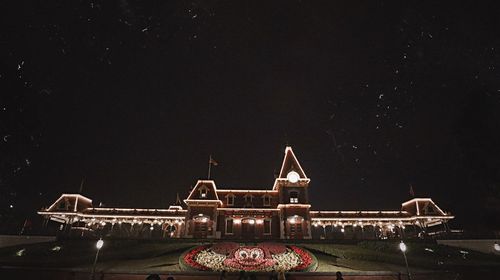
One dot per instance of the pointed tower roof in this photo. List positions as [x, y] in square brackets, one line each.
[178, 201]
[290, 163]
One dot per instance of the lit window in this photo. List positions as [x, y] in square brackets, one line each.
[203, 192]
[229, 226]
[294, 197]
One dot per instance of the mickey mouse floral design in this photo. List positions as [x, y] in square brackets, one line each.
[230, 256]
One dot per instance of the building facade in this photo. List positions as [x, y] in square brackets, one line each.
[281, 212]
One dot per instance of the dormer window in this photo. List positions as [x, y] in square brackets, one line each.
[230, 199]
[248, 199]
[294, 197]
[203, 192]
[266, 200]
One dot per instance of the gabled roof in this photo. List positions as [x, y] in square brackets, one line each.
[422, 207]
[71, 203]
[211, 194]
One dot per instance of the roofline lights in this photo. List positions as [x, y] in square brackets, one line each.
[70, 195]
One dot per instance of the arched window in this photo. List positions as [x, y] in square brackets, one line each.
[294, 197]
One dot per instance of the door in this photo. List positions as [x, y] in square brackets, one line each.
[201, 227]
[295, 227]
[248, 228]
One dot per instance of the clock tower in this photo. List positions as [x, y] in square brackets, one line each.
[292, 185]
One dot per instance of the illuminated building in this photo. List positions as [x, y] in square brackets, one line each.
[281, 212]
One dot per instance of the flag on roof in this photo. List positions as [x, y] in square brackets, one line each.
[212, 161]
[412, 193]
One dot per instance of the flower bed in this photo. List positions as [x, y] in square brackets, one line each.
[230, 256]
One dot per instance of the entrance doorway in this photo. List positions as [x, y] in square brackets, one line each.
[201, 226]
[248, 228]
[295, 227]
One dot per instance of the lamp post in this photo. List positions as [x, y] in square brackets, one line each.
[402, 247]
[98, 245]
[496, 247]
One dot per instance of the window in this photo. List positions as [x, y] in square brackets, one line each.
[267, 200]
[267, 226]
[294, 197]
[248, 198]
[229, 226]
[230, 200]
[203, 192]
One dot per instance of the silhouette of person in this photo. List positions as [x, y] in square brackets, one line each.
[153, 277]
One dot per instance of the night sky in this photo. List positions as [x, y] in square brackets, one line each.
[133, 97]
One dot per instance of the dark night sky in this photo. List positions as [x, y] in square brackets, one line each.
[135, 95]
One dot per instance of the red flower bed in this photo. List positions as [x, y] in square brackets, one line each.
[190, 255]
[305, 256]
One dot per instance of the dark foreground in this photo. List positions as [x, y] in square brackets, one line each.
[26, 273]
[136, 259]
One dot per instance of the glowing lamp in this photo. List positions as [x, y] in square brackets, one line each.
[402, 246]
[260, 221]
[293, 177]
[99, 244]
[251, 222]
[496, 246]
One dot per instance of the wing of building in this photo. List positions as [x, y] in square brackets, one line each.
[282, 211]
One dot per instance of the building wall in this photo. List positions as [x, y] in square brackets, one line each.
[258, 232]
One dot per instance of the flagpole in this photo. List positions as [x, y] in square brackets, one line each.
[80, 191]
[209, 166]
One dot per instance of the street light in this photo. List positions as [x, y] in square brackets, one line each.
[98, 245]
[402, 247]
[496, 246]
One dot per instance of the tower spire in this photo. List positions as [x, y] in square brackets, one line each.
[178, 200]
